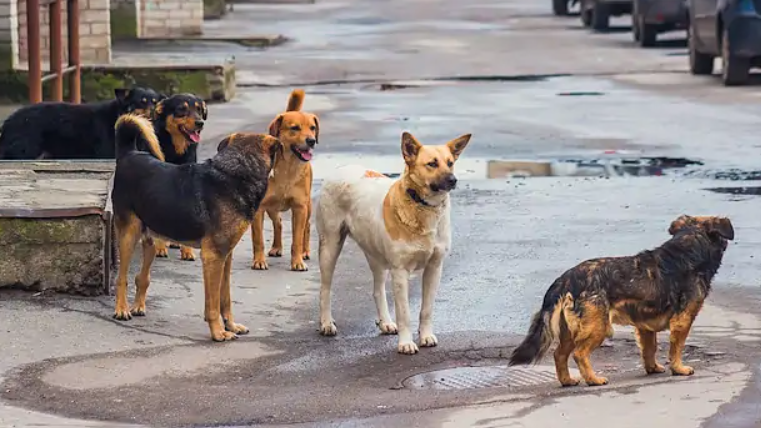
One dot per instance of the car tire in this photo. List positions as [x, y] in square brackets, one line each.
[734, 70]
[585, 13]
[648, 34]
[700, 63]
[560, 7]
[600, 16]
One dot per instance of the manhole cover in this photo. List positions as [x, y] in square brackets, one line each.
[483, 377]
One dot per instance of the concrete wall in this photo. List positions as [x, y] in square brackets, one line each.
[168, 18]
[94, 32]
[8, 34]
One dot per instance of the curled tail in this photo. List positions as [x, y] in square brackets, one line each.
[133, 131]
[544, 328]
[296, 100]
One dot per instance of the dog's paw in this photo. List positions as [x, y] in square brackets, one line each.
[299, 266]
[236, 328]
[387, 327]
[597, 381]
[137, 311]
[162, 251]
[122, 314]
[260, 265]
[306, 256]
[187, 254]
[571, 381]
[223, 336]
[682, 371]
[655, 369]
[407, 348]
[428, 341]
[328, 328]
[275, 252]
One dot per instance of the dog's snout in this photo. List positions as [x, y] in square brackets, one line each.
[311, 142]
[199, 124]
[451, 181]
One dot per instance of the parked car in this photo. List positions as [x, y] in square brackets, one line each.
[560, 7]
[597, 13]
[652, 17]
[730, 29]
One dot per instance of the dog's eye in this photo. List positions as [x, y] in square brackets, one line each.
[433, 164]
[450, 163]
[295, 128]
[312, 128]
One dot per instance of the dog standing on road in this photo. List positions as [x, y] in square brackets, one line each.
[653, 291]
[290, 187]
[208, 206]
[401, 225]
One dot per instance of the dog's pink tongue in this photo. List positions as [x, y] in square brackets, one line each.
[306, 154]
[195, 136]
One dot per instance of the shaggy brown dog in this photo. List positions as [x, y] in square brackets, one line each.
[653, 291]
[290, 187]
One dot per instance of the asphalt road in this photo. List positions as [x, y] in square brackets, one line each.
[65, 362]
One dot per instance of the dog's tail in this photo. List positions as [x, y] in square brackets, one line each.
[545, 327]
[296, 100]
[133, 131]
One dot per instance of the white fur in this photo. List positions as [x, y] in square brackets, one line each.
[353, 204]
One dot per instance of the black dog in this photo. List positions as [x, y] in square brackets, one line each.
[178, 122]
[71, 131]
[208, 205]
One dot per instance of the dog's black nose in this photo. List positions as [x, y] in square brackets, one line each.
[451, 181]
[199, 124]
[311, 142]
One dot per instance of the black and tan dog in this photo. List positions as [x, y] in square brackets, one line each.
[208, 205]
[71, 131]
[178, 121]
[655, 290]
[290, 186]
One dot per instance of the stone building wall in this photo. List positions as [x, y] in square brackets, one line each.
[168, 18]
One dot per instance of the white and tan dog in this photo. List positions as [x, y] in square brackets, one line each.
[401, 225]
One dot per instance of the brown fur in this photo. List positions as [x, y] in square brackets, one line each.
[230, 186]
[655, 290]
[290, 187]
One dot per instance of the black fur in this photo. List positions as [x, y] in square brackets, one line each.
[652, 283]
[54, 130]
[185, 203]
[174, 106]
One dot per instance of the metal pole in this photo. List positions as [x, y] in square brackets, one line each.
[33, 50]
[76, 76]
[56, 49]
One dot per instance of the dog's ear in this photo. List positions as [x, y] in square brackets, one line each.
[122, 94]
[225, 142]
[679, 223]
[316, 129]
[204, 110]
[410, 148]
[162, 96]
[457, 145]
[722, 227]
[275, 126]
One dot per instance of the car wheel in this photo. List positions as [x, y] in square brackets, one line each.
[700, 63]
[734, 70]
[600, 16]
[560, 7]
[648, 34]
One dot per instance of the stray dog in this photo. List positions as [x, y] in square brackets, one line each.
[401, 225]
[71, 131]
[208, 206]
[290, 186]
[178, 121]
[658, 289]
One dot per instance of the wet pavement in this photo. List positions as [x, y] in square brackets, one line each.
[529, 87]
